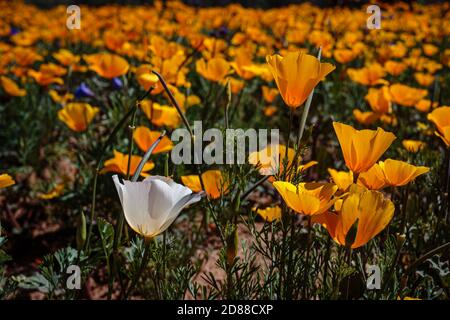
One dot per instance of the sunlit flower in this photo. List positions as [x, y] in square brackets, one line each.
[107, 65]
[269, 94]
[270, 213]
[344, 55]
[296, 75]
[342, 179]
[77, 115]
[366, 118]
[424, 105]
[161, 115]
[398, 173]
[373, 178]
[215, 69]
[270, 160]
[145, 138]
[60, 98]
[441, 119]
[395, 68]
[66, 57]
[152, 205]
[368, 76]
[145, 77]
[11, 88]
[424, 79]
[362, 148]
[54, 193]
[119, 164]
[213, 182]
[6, 180]
[413, 145]
[369, 211]
[406, 96]
[307, 198]
[379, 99]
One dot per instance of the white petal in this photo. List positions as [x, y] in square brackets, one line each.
[180, 205]
[119, 188]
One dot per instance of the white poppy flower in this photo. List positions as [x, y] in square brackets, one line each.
[150, 206]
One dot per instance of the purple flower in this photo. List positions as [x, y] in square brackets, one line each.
[14, 31]
[83, 91]
[117, 83]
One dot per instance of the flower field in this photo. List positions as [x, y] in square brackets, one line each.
[135, 161]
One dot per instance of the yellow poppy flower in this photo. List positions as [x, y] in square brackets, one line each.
[296, 75]
[66, 57]
[424, 105]
[269, 94]
[362, 148]
[213, 183]
[395, 68]
[441, 119]
[405, 95]
[119, 164]
[107, 65]
[369, 209]
[215, 69]
[161, 115]
[342, 179]
[54, 193]
[366, 118]
[77, 115]
[368, 76]
[11, 88]
[398, 173]
[270, 213]
[6, 180]
[144, 139]
[270, 162]
[413, 145]
[145, 77]
[307, 198]
[59, 98]
[379, 99]
[424, 79]
[373, 178]
[344, 55]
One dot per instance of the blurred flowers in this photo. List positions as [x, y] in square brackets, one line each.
[119, 164]
[11, 88]
[107, 65]
[77, 115]
[6, 180]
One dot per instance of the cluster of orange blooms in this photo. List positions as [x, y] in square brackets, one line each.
[133, 41]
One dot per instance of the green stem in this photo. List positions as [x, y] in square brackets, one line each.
[306, 110]
[144, 263]
[308, 250]
[390, 273]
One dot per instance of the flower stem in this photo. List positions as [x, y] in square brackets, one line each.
[301, 129]
[144, 262]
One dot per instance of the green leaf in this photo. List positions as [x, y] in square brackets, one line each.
[106, 231]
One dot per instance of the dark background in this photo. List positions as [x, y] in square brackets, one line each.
[206, 3]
